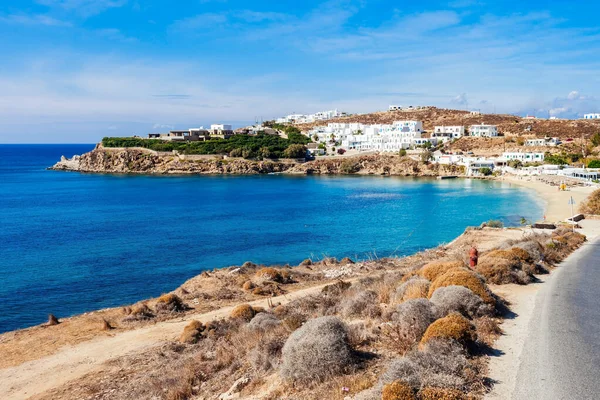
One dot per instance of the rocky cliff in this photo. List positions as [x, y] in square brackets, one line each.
[138, 161]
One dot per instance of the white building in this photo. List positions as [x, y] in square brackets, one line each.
[448, 132]
[591, 116]
[483, 130]
[220, 127]
[386, 138]
[394, 108]
[523, 157]
[306, 119]
[543, 142]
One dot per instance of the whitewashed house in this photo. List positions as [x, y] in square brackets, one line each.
[446, 133]
[543, 142]
[523, 157]
[592, 116]
[483, 130]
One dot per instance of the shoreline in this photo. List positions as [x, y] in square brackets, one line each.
[556, 202]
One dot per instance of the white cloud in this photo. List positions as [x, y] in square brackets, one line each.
[33, 20]
[84, 8]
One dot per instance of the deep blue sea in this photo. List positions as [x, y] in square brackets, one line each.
[71, 242]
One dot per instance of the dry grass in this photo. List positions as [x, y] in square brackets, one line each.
[466, 278]
[433, 270]
[453, 326]
[398, 391]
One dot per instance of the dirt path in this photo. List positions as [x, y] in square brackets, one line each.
[73, 362]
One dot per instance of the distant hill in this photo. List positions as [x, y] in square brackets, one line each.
[509, 125]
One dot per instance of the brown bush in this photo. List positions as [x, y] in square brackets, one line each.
[502, 271]
[52, 320]
[248, 285]
[454, 326]
[434, 269]
[397, 391]
[488, 329]
[441, 394]
[591, 205]
[192, 333]
[466, 278]
[170, 303]
[414, 288]
[244, 312]
[364, 303]
[138, 312]
[274, 275]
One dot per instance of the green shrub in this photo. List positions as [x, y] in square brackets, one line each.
[494, 224]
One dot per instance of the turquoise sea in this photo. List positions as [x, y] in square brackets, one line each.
[72, 242]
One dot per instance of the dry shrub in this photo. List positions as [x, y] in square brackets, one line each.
[438, 364]
[266, 354]
[533, 248]
[453, 326]
[361, 304]
[346, 261]
[248, 285]
[293, 321]
[466, 278]
[169, 303]
[488, 329]
[336, 288]
[306, 262]
[398, 391]
[192, 333]
[502, 267]
[139, 312]
[268, 289]
[412, 318]
[318, 350]
[414, 288]
[52, 320]
[434, 269]
[243, 312]
[264, 321]
[274, 275]
[441, 394]
[591, 205]
[459, 299]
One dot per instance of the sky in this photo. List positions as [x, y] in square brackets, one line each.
[74, 71]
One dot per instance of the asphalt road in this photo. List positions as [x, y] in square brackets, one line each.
[561, 357]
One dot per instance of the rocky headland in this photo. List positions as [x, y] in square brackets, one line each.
[143, 161]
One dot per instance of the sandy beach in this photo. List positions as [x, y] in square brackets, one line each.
[557, 202]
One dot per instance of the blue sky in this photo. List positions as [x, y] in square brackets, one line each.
[77, 70]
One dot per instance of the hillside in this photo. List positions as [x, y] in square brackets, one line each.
[509, 125]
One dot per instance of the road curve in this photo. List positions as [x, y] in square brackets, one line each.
[561, 357]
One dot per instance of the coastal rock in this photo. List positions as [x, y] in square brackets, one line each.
[143, 161]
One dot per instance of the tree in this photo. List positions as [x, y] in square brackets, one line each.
[594, 164]
[341, 151]
[247, 153]
[235, 153]
[427, 145]
[295, 151]
[596, 140]
[264, 152]
[426, 156]
[316, 137]
[515, 163]
[485, 171]
[402, 153]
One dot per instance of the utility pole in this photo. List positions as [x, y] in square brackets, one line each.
[572, 203]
